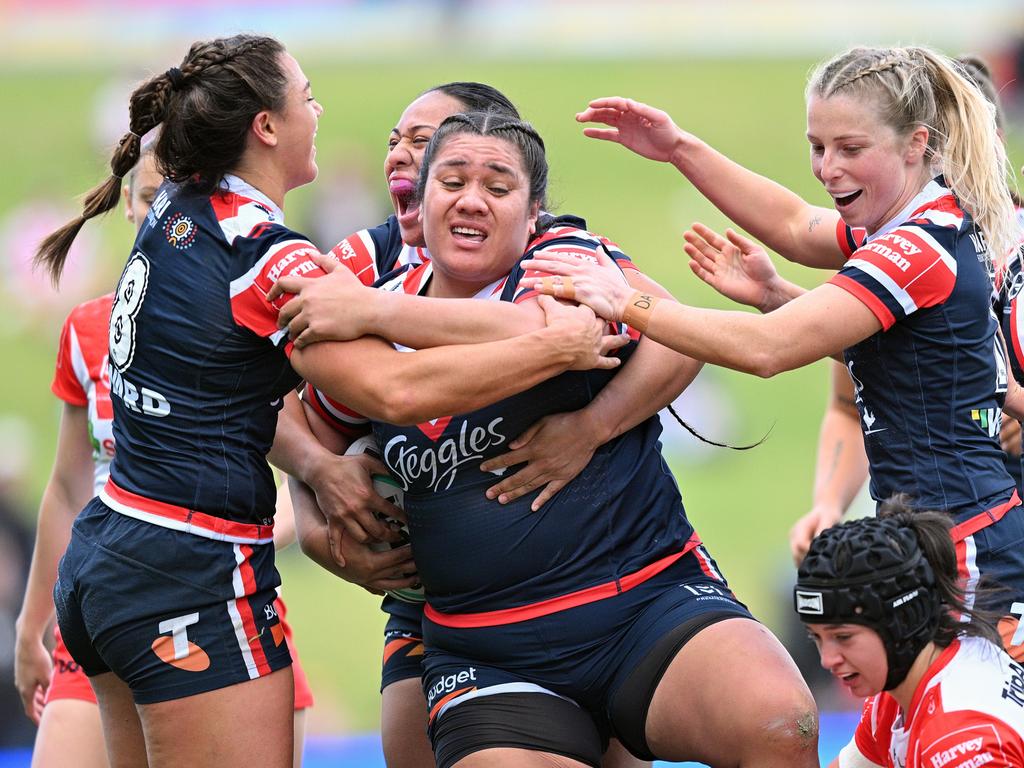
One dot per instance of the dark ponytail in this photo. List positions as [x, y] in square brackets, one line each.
[932, 530]
[205, 107]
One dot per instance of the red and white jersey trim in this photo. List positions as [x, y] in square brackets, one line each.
[243, 207]
[248, 636]
[183, 519]
[82, 378]
[562, 602]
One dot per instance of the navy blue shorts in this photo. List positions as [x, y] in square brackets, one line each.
[403, 641]
[583, 654]
[172, 614]
[993, 555]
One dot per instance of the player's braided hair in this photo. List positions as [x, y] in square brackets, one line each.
[499, 124]
[916, 87]
[476, 97]
[204, 107]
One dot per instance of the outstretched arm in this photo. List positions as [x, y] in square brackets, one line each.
[775, 215]
[813, 326]
[737, 268]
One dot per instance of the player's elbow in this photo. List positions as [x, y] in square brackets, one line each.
[403, 405]
[765, 363]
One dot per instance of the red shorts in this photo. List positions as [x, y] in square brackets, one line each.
[70, 682]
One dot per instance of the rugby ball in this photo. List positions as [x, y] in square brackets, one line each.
[388, 488]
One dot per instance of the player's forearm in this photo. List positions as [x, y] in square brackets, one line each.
[651, 379]
[420, 322]
[296, 450]
[422, 385]
[780, 293]
[773, 214]
[842, 465]
[311, 527]
[57, 513]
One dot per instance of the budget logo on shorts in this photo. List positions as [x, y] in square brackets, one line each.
[176, 649]
[180, 231]
[809, 602]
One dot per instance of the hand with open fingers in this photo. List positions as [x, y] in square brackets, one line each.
[555, 450]
[642, 128]
[736, 267]
[582, 334]
[33, 668]
[376, 571]
[344, 492]
[808, 527]
[327, 308]
[600, 286]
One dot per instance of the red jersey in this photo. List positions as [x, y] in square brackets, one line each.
[967, 711]
[82, 377]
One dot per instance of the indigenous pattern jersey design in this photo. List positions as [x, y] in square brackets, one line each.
[930, 385]
[81, 377]
[967, 711]
[198, 365]
[1010, 311]
[581, 546]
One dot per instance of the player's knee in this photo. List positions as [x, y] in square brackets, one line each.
[791, 728]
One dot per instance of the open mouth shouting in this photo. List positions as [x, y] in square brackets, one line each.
[403, 193]
[845, 201]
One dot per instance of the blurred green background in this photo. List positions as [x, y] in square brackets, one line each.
[752, 109]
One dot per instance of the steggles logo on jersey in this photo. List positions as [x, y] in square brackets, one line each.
[180, 231]
[439, 465]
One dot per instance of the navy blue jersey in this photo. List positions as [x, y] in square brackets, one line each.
[198, 365]
[619, 521]
[930, 385]
[1008, 309]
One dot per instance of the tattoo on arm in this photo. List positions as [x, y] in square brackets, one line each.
[813, 223]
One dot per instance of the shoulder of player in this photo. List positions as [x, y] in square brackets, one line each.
[92, 312]
[239, 215]
[910, 251]
[982, 681]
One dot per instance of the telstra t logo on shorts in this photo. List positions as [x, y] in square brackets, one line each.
[177, 650]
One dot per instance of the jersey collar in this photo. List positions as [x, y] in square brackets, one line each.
[241, 187]
[933, 190]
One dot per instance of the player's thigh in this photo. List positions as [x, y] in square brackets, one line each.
[70, 733]
[298, 736]
[617, 756]
[732, 691]
[122, 731]
[517, 758]
[403, 725]
[240, 726]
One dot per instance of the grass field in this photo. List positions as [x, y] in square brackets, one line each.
[742, 503]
